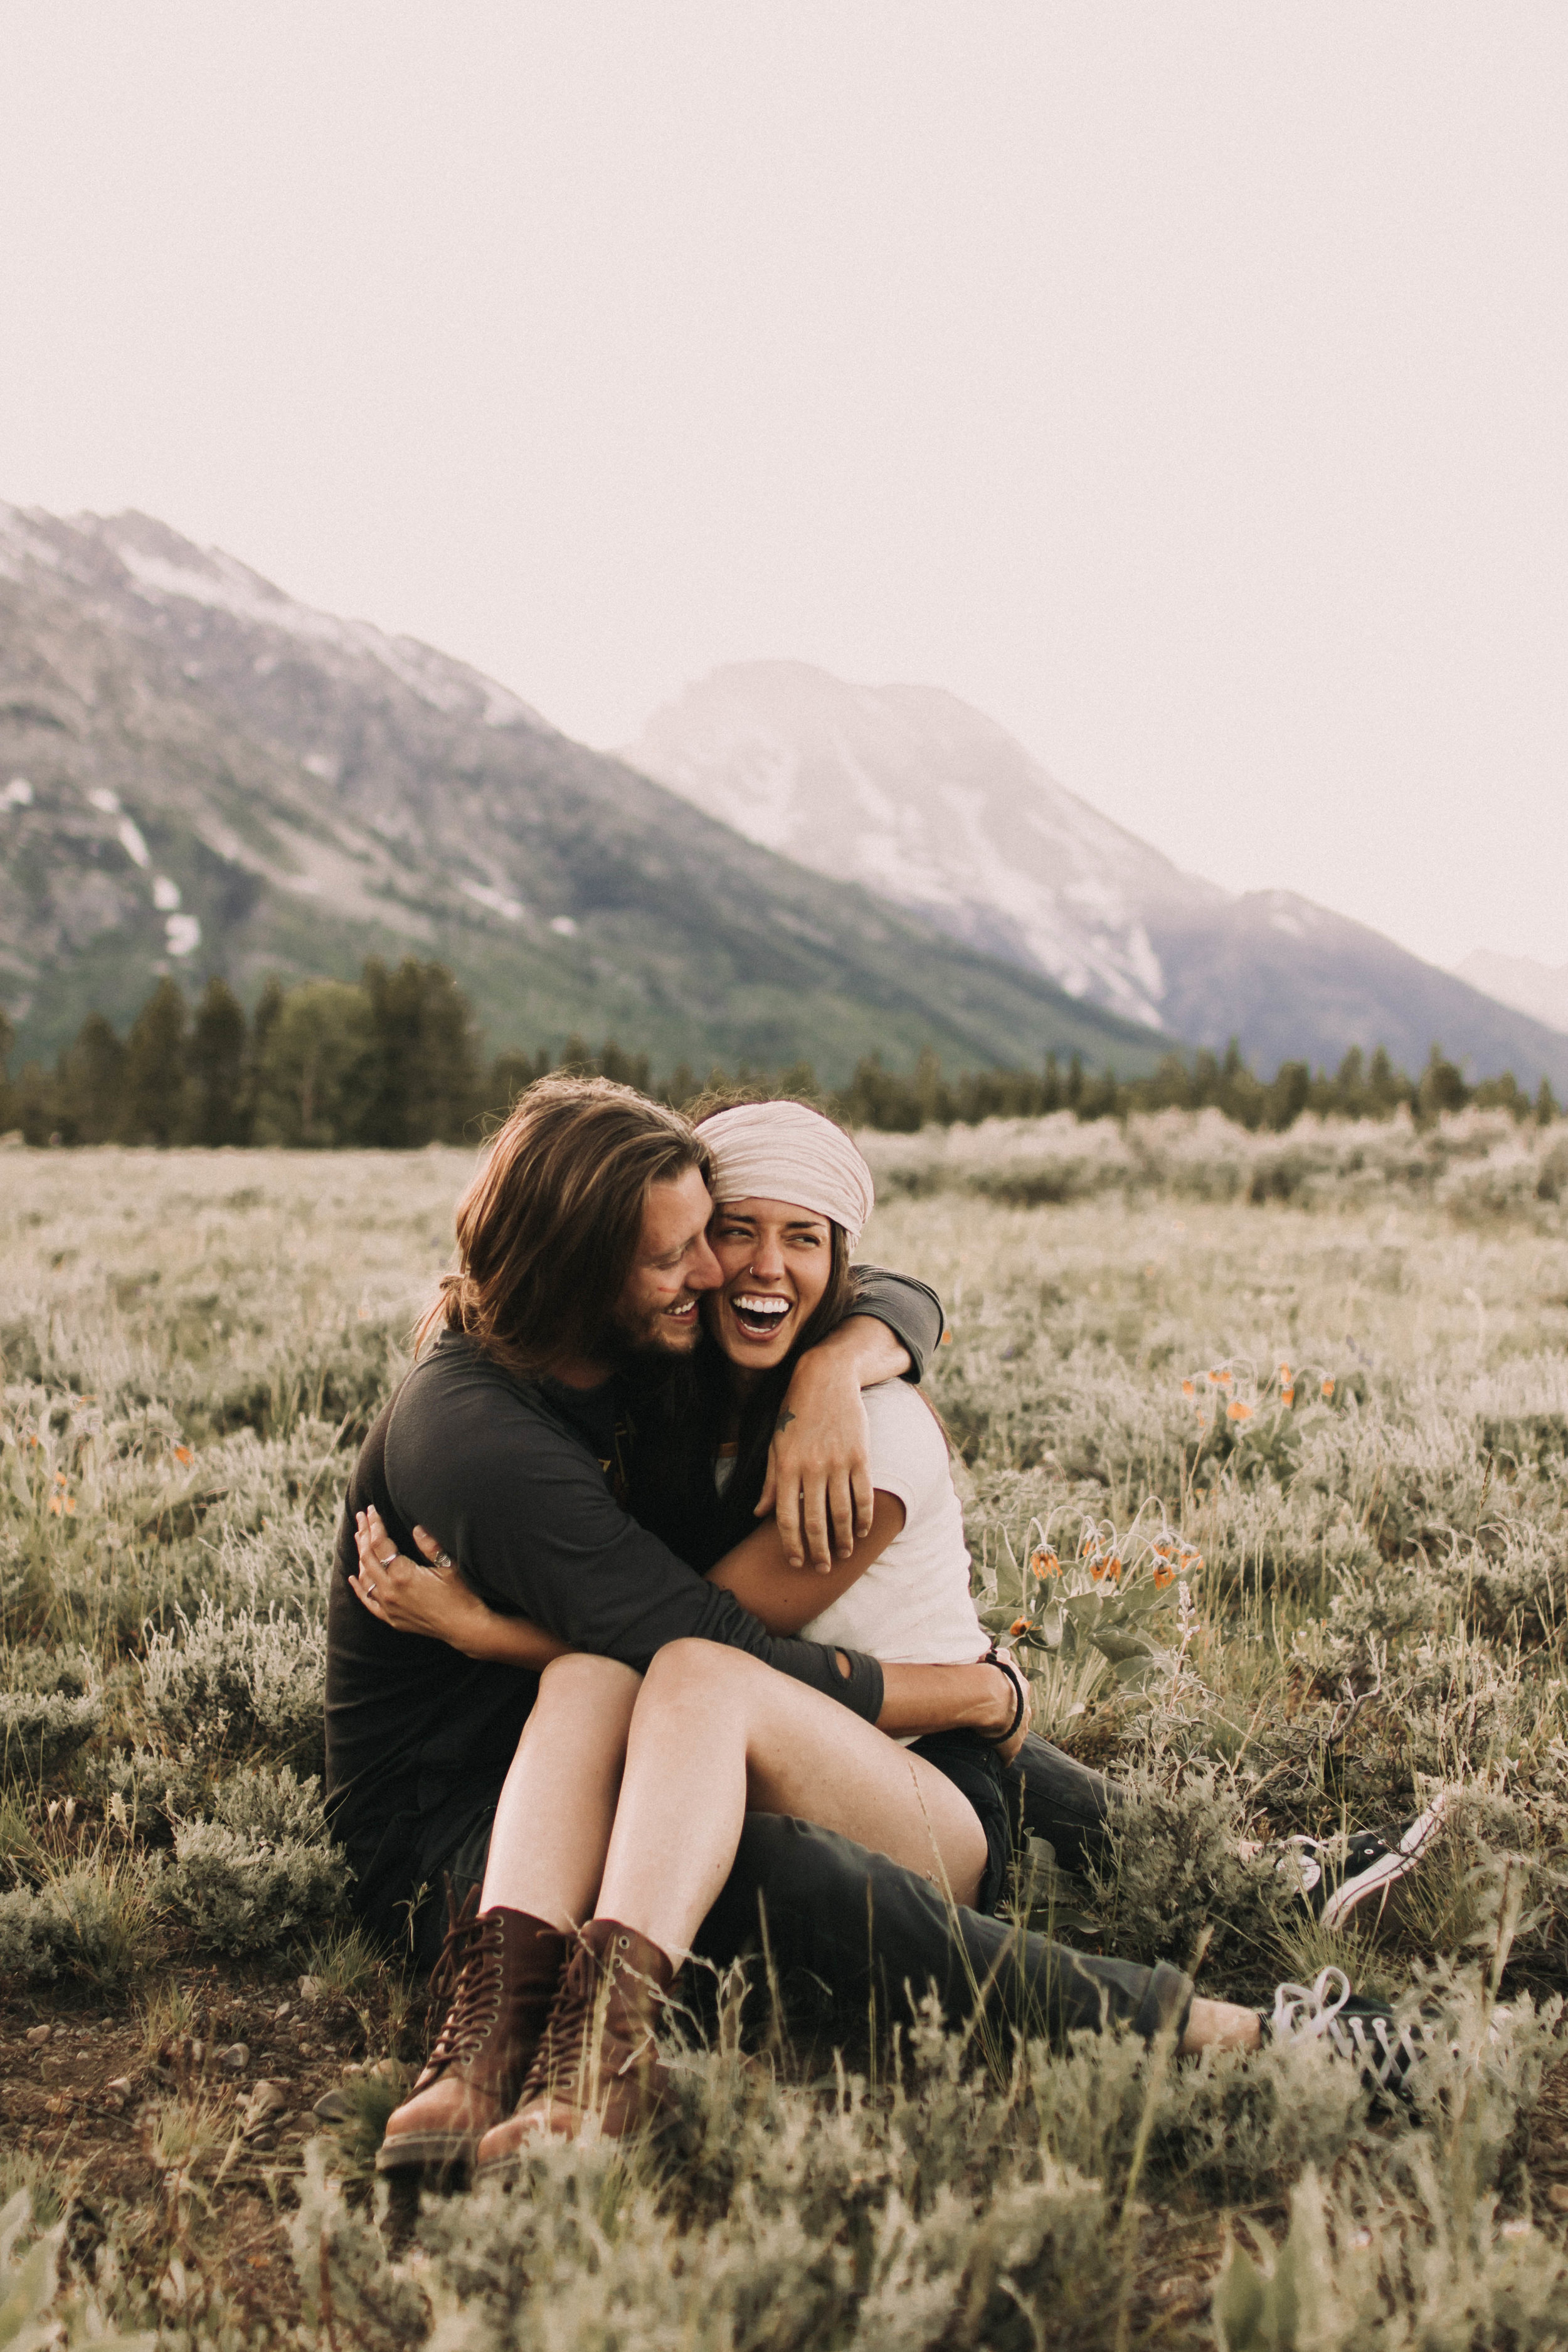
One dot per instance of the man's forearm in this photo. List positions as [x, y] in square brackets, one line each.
[863, 1351]
[918, 1699]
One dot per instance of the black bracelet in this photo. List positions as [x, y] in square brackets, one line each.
[1019, 1689]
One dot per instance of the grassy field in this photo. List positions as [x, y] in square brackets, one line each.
[1310, 1395]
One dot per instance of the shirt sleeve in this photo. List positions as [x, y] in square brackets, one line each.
[524, 1510]
[908, 1454]
[910, 1309]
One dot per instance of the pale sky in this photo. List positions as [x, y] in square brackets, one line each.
[1183, 384]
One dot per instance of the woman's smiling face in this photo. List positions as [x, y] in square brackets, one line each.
[776, 1261]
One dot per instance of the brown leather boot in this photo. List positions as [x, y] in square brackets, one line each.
[504, 1970]
[598, 2064]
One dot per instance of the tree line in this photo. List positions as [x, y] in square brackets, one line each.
[1361, 1088]
[394, 1062]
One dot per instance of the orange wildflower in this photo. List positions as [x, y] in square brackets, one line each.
[1187, 1387]
[1225, 1379]
[1238, 1411]
[1019, 1625]
[1328, 1388]
[1045, 1563]
[1163, 1574]
[183, 1454]
[1097, 1568]
[1113, 1567]
[1288, 1396]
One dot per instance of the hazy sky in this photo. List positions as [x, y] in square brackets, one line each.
[1185, 384]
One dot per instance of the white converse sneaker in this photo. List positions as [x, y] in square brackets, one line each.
[1351, 2026]
[1331, 1884]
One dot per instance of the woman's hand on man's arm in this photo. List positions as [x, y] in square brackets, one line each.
[434, 1600]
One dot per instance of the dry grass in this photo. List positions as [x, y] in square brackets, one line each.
[192, 1345]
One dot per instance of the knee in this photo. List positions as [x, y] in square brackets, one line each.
[692, 1664]
[581, 1679]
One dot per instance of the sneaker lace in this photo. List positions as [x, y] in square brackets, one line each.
[1309, 2012]
[1384, 2049]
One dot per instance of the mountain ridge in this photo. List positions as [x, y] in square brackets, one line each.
[963, 825]
[200, 773]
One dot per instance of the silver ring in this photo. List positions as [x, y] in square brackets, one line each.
[370, 1587]
[445, 1559]
[386, 1559]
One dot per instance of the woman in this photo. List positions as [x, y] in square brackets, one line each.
[636, 1792]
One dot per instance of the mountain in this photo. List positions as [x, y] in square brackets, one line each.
[199, 774]
[912, 792]
[1539, 989]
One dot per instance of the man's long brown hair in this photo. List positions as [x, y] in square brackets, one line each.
[548, 1231]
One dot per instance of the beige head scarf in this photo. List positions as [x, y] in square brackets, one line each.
[782, 1152]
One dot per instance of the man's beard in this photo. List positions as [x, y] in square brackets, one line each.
[636, 1342]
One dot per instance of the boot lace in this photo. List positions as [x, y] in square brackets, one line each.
[470, 1970]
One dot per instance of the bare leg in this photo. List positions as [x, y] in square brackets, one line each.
[554, 1820]
[715, 1732]
[1220, 2025]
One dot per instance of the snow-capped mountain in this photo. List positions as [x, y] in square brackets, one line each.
[916, 794]
[200, 774]
[912, 792]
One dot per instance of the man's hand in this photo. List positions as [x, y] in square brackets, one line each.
[819, 1467]
[819, 1464]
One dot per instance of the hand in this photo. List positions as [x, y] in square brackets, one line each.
[819, 1464]
[1016, 1677]
[412, 1599]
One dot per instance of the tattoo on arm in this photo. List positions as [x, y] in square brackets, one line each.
[783, 1422]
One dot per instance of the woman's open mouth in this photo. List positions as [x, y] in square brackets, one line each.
[759, 1314]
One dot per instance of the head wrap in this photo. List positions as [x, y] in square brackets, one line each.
[782, 1152]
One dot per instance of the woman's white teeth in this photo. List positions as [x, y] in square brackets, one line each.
[767, 1311]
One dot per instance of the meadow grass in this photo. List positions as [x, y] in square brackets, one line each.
[1263, 1442]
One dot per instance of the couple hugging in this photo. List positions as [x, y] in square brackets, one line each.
[693, 1669]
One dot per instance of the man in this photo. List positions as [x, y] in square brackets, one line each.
[582, 1248]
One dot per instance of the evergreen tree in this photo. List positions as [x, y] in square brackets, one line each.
[1442, 1087]
[1351, 1084]
[511, 1073]
[316, 1084]
[426, 1086]
[155, 1099]
[263, 1023]
[90, 1084]
[1287, 1094]
[1546, 1104]
[680, 1087]
[625, 1069]
[217, 1071]
[35, 1106]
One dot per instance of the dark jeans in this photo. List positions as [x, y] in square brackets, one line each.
[1060, 1800]
[865, 1938]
